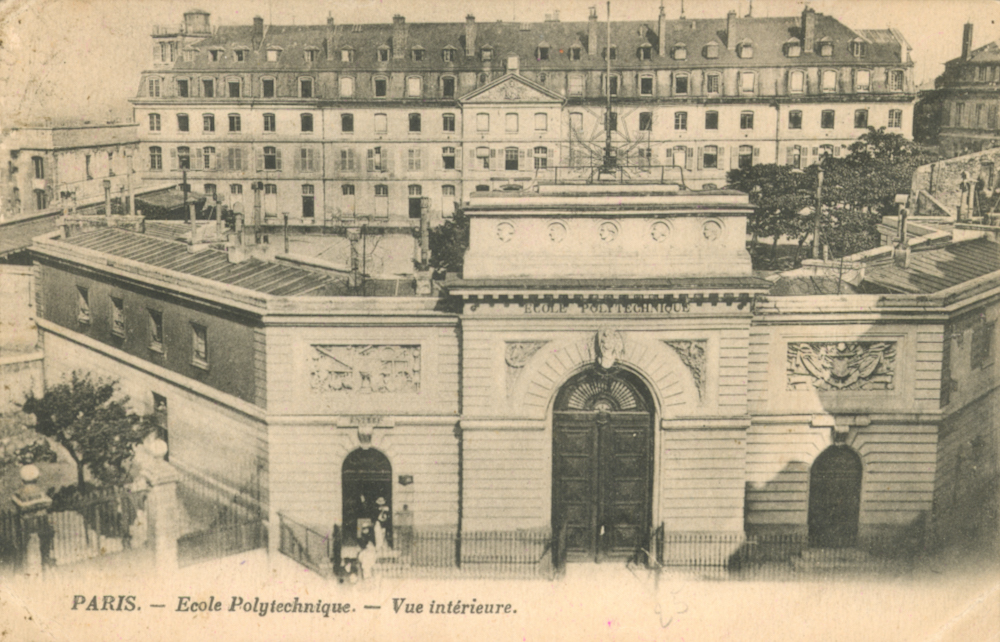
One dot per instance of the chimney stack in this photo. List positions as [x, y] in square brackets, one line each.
[398, 37]
[967, 41]
[731, 33]
[808, 30]
[662, 34]
[330, 45]
[258, 31]
[592, 32]
[470, 35]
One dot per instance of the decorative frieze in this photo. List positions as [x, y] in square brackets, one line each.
[516, 355]
[692, 355]
[610, 346]
[860, 365]
[365, 369]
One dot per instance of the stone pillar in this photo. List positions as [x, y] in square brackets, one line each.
[161, 506]
[32, 505]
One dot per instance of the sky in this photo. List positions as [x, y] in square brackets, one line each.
[80, 60]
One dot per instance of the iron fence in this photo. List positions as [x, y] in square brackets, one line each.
[216, 521]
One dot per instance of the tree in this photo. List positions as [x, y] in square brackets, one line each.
[96, 428]
[778, 193]
[448, 243]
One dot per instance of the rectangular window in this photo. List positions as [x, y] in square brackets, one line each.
[796, 82]
[510, 158]
[272, 55]
[484, 153]
[270, 124]
[959, 114]
[347, 123]
[347, 160]
[413, 160]
[895, 118]
[541, 157]
[267, 87]
[199, 345]
[234, 88]
[306, 122]
[448, 87]
[710, 157]
[308, 201]
[305, 88]
[271, 158]
[448, 157]
[208, 158]
[346, 87]
[576, 85]
[680, 120]
[543, 53]
[862, 80]
[448, 122]
[414, 122]
[155, 330]
[347, 190]
[826, 119]
[117, 317]
[712, 83]
[681, 85]
[746, 120]
[747, 82]
[574, 53]
[182, 122]
[448, 55]
[991, 117]
[234, 122]
[306, 159]
[510, 123]
[208, 122]
[981, 347]
[235, 160]
[38, 165]
[745, 159]
[236, 189]
[154, 88]
[896, 80]
[381, 87]
[795, 119]
[346, 55]
[311, 55]
[375, 162]
[711, 120]
[613, 85]
[646, 86]
[182, 87]
[482, 122]
[154, 122]
[208, 88]
[381, 123]
[645, 121]
[183, 158]
[155, 159]
[861, 119]
[82, 304]
[241, 55]
[828, 80]
[413, 86]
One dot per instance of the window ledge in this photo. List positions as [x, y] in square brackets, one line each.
[156, 347]
[201, 365]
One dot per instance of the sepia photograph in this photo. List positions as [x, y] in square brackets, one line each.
[633, 320]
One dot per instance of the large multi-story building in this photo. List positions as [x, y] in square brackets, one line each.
[336, 123]
[964, 106]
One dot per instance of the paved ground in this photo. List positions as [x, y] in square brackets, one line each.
[591, 603]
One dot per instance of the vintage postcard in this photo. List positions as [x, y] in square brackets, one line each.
[625, 320]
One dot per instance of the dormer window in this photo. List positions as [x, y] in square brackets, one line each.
[712, 50]
[346, 55]
[486, 54]
[745, 50]
[574, 52]
[826, 47]
[448, 54]
[858, 48]
[542, 52]
[241, 55]
[418, 54]
[793, 48]
[513, 63]
[611, 54]
[272, 55]
[311, 55]
[215, 55]
[645, 52]
[680, 52]
[382, 54]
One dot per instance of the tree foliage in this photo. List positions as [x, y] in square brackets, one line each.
[20, 444]
[448, 243]
[778, 193]
[93, 424]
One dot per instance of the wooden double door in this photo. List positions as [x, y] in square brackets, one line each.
[602, 466]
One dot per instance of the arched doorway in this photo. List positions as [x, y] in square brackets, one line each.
[835, 498]
[366, 478]
[602, 464]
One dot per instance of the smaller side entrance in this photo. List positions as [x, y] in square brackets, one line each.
[366, 484]
[835, 498]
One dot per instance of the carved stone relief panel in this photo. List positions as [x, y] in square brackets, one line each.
[861, 365]
[692, 355]
[365, 369]
[516, 355]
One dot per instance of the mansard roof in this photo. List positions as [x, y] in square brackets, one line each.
[523, 39]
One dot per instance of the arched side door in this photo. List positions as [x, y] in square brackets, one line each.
[835, 498]
[602, 464]
[366, 477]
